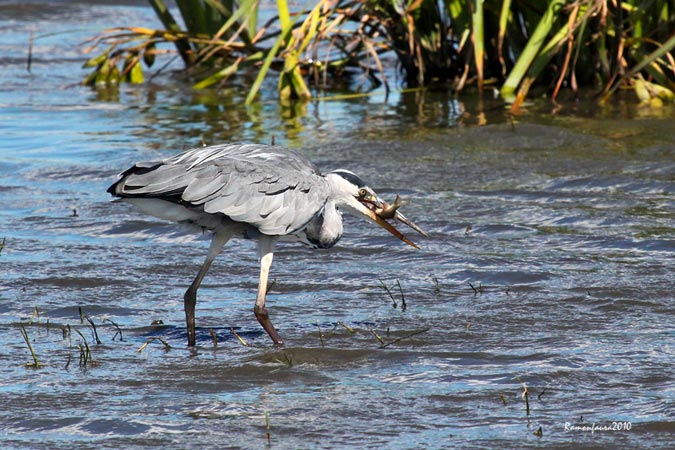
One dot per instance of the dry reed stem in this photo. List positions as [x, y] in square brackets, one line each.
[36, 364]
[241, 340]
[167, 347]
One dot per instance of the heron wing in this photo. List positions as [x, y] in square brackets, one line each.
[277, 190]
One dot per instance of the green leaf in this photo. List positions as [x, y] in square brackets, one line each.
[478, 48]
[149, 54]
[640, 88]
[136, 73]
[103, 73]
[291, 83]
[531, 50]
[98, 59]
[229, 70]
[285, 34]
[91, 78]
[114, 77]
[284, 15]
[182, 45]
[646, 90]
[216, 77]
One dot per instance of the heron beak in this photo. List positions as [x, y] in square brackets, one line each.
[389, 227]
[401, 218]
[372, 208]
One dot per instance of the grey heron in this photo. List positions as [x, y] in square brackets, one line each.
[261, 192]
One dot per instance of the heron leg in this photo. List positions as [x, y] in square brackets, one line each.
[266, 247]
[190, 298]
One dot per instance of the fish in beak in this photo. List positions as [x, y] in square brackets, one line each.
[379, 211]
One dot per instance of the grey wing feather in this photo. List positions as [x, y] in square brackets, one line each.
[274, 189]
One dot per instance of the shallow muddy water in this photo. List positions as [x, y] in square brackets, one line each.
[549, 263]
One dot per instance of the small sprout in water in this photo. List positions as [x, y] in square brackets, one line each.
[36, 364]
[503, 397]
[542, 393]
[286, 360]
[437, 287]
[271, 285]
[394, 304]
[351, 330]
[75, 214]
[93, 328]
[84, 317]
[400, 289]
[393, 300]
[2, 244]
[30, 50]
[377, 337]
[241, 339]
[85, 351]
[167, 347]
[404, 337]
[539, 432]
[267, 426]
[477, 291]
[119, 330]
[84, 354]
[214, 337]
[318, 325]
[526, 396]
[35, 315]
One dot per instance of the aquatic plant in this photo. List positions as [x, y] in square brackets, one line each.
[409, 335]
[166, 344]
[377, 336]
[36, 363]
[510, 44]
[268, 434]
[478, 290]
[92, 325]
[349, 329]
[214, 337]
[394, 304]
[321, 335]
[85, 351]
[239, 338]
[117, 328]
[285, 359]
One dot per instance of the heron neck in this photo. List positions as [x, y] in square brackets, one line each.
[326, 229]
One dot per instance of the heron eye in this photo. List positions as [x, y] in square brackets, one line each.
[362, 192]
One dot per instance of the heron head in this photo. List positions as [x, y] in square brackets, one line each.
[355, 196]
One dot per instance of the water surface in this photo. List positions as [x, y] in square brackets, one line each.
[549, 264]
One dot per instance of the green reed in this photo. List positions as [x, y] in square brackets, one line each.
[509, 45]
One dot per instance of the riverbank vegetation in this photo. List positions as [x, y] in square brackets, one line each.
[509, 46]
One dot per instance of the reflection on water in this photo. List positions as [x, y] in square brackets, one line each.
[550, 263]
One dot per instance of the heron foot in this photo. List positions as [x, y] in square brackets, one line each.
[264, 318]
